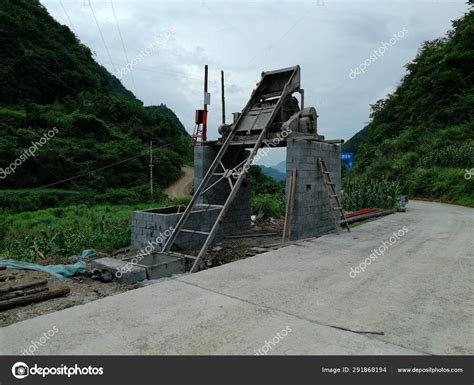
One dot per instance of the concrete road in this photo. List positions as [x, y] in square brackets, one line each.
[414, 297]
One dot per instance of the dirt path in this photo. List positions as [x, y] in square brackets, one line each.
[183, 186]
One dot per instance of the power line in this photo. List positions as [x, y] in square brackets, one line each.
[123, 44]
[140, 67]
[99, 169]
[102, 36]
[67, 16]
[282, 36]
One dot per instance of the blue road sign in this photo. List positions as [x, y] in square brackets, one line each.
[348, 158]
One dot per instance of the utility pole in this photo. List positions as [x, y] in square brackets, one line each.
[151, 169]
[200, 130]
[204, 126]
[223, 97]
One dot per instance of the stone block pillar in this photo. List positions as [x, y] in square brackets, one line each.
[312, 215]
[237, 219]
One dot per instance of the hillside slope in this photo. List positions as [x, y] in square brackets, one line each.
[422, 135]
[49, 80]
[273, 173]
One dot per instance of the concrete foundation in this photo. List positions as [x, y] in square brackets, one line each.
[155, 226]
[312, 214]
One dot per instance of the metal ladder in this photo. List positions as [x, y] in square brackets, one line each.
[333, 197]
[228, 173]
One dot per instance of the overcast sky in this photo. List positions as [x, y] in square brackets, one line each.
[327, 38]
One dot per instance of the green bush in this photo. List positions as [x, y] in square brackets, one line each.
[24, 200]
[268, 205]
[444, 184]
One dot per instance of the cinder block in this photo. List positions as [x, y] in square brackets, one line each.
[122, 271]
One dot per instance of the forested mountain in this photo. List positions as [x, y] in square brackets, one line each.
[422, 135]
[49, 79]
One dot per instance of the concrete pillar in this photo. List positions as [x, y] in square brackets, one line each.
[238, 217]
[312, 215]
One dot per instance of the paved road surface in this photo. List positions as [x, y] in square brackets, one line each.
[416, 298]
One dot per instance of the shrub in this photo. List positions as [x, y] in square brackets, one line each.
[268, 205]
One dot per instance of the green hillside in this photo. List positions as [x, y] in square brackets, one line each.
[273, 173]
[423, 134]
[50, 80]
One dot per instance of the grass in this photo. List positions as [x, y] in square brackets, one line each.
[267, 205]
[66, 231]
[442, 184]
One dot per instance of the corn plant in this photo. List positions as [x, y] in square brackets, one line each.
[451, 156]
[379, 194]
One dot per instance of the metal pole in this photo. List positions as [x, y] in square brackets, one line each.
[223, 97]
[151, 169]
[204, 126]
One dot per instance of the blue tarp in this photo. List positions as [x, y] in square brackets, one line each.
[86, 254]
[59, 271]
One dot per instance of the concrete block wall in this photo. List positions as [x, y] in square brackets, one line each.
[155, 225]
[237, 219]
[312, 215]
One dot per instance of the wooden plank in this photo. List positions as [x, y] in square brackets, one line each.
[6, 277]
[33, 298]
[175, 254]
[249, 235]
[287, 243]
[289, 208]
[7, 289]
[194, 232]
[21, 293]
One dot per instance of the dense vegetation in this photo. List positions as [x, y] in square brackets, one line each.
[380, 194]
[66, 231]
[268, 195]
[422, 134]
[48, 79]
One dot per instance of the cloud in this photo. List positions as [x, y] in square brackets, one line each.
[244, 38]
